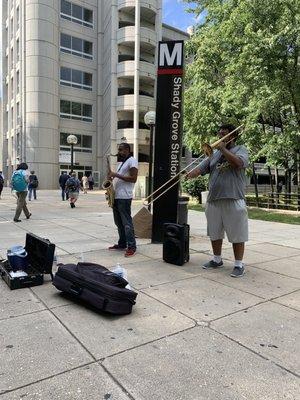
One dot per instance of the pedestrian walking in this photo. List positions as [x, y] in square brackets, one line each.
[72, 188]
[91, 182]
[1, 183]
[32, 186]
[85, 184]
[19, 183]
[62, 183]
[226, 207]
[279, 187]
[123, 181]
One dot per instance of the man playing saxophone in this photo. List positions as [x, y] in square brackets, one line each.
[123, 182]
[226, 207]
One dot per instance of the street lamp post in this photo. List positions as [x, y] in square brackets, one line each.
[72, 140]
[149, 119]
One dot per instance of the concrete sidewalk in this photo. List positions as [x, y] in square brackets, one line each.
[193, 334]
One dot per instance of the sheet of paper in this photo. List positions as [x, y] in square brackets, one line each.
[18, 274]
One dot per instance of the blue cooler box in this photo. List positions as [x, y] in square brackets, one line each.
[18, 258]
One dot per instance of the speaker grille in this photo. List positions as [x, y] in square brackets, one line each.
[176, 244]
[172, 250]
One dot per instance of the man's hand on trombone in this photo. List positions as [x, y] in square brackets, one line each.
[233, 160]
[221, 146]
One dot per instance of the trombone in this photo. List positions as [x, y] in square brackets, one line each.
[207, 150]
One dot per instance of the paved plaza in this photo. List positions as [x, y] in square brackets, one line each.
[193, 334]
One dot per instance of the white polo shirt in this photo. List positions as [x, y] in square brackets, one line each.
[124, 190]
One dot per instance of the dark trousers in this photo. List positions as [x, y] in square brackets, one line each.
[123, 220]
[64, 194]
[1, 188]
[30, 191]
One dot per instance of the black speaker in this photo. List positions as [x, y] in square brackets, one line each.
[176, 243]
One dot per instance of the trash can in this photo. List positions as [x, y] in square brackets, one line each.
[204, 196]
[182, 209]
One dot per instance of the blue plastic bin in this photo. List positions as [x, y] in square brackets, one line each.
[18, 258]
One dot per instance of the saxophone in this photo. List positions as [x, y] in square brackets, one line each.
[108, 186]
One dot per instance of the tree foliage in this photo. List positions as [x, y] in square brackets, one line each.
[194, 187]
[246, 70]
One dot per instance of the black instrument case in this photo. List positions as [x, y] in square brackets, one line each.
[40, 257]
[97, 286]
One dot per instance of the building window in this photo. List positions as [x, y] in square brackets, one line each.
[18, 50]
[12, 56]
[73, 12]
[18, 17]
[12, 87]
[84, 143]
[76, 78]
[18, 114]
[11, 28]
[76, 46]
[18, 82]
[18, 145]
[74, 110]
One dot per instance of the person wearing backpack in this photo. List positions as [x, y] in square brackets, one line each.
[73, 187]
[1, 183]
[19, 183]
[32, 186]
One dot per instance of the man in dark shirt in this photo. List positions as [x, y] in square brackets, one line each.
[32, 185]
[62, 183]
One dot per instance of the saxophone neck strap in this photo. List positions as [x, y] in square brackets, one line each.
[120, 167]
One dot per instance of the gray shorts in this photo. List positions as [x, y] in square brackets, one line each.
[230, 216]
[73, 195]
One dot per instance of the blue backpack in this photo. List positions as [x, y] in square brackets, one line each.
[18, 182]
[71, 185]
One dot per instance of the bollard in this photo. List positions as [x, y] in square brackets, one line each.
[182, 210]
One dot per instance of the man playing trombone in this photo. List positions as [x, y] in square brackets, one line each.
[226, 207]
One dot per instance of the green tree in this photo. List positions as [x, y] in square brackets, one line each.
[246, 69]
[194, 187]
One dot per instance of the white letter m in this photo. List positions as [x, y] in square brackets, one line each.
[170, 58]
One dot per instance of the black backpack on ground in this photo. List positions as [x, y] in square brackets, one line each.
[97, 286]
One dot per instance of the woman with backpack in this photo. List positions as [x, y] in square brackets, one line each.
[72, 188]
[33, 184]
[19, 183]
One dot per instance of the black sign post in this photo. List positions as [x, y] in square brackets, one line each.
[168, 133]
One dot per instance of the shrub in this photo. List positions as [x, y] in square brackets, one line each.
[194, 187]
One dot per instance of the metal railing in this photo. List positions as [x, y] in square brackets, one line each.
[275, 200]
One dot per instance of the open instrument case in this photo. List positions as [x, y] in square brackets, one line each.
[40, 259]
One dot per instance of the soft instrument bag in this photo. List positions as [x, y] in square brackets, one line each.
[96, 286]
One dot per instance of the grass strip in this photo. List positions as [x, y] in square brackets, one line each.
[263, 215]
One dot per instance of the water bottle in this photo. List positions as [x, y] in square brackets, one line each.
[55, 261]
[119, 270]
